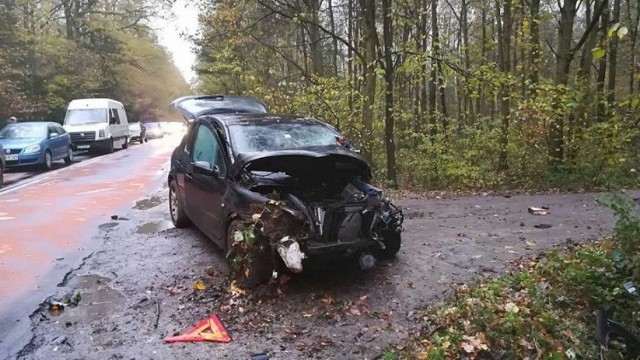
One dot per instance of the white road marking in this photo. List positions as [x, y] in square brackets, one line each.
[7, 218]
[95, 191]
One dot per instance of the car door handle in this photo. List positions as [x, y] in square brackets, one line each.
[188, 176]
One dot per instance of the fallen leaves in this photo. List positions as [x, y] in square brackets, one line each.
[199, 286]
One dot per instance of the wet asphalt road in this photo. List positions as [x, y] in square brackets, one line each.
[47, 222]
[137, 283]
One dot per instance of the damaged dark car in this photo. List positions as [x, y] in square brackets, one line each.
[240, 173]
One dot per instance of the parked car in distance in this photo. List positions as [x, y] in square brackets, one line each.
[137, 132]
[2, 166]
[35, 144]
[153, 130]
[97, 125]
[230, 164]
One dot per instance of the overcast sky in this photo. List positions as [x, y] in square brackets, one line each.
[172, 31]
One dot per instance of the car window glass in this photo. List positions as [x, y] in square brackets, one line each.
[114, 115]
[280, 136]
[206, 148]
[60, 129]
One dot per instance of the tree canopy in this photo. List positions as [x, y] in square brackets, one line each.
[445, 93]
[54, 51]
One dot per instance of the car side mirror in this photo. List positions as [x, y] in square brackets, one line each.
[205, 168]
[112, 121]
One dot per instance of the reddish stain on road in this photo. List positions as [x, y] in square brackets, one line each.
[58, 214]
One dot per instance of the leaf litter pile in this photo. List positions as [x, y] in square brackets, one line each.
[300, 314]
[542, 309]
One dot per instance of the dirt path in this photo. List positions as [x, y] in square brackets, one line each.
[141, 282]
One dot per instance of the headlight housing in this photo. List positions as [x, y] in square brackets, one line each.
[101, 133]
[32, 149]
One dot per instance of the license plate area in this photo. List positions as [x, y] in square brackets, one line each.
[83, 147]
[11, 157]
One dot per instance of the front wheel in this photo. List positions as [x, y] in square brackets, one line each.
[178, 215]
[48, 161]
[392, 240]
[110, 147]
[69, 159]
[251, 260]
[125, 144]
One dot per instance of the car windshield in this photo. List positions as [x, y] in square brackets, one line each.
[247, 138]
[85, 116]
[24, 131]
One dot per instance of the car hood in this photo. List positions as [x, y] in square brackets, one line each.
[85, 127]
[18, 143]
[304, 161]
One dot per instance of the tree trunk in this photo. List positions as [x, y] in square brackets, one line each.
[632, 44]
[613, 57]
[334, 48]
[504, 24]
[433, 79]
[564, 56]
[388, 94]
[370, 38]
[534, 70]
[315, 42]
[68, 19]
[602, 68]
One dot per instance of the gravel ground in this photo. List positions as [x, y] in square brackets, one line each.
[139, 287]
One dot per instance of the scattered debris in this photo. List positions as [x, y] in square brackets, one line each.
[631, 288]
[542, 210]
[208, 330]
[543, 226]
[289, 251]
[261, 356]
[55, 308]
[114, 217]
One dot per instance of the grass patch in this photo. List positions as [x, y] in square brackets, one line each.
[543, 309]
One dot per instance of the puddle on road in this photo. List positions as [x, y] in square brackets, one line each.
[88, 282]
[97, 299]
[154, 227]
[107, 226]
[149, 203]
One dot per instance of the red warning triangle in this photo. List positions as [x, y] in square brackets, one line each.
[210, 329]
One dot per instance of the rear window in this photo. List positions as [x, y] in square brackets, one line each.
[247, 138]
[219, 105]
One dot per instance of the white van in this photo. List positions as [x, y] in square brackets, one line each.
[97, 125]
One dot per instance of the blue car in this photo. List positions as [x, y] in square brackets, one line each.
[35, 144]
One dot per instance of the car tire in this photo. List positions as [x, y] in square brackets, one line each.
[1, 175]
[259, 269]
[110, 147]
[69, 159]
[125, 144]
[48, 161]
[392, 241]
[178, 215]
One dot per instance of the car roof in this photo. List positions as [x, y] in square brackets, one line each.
[263, 119]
